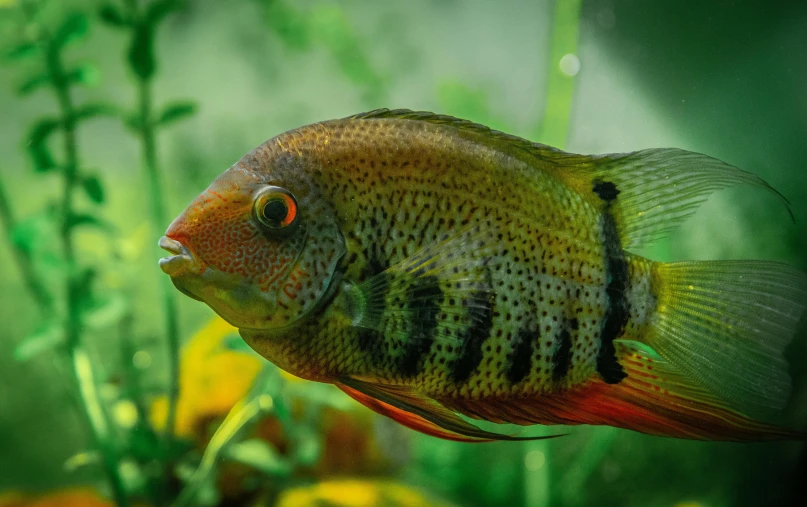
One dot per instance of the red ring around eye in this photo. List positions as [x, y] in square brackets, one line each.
[291, 205]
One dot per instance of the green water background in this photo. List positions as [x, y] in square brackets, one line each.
[726, 78]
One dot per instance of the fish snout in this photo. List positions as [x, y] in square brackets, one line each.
[174, 264]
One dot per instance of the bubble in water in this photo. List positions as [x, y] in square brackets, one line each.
[141, 360]
[570, 65]
[534, 460]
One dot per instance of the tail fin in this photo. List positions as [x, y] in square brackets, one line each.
[657, 399]
[725, 324]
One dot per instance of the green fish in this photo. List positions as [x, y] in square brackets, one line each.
[431, 268]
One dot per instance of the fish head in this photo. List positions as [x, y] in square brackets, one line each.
[260, 245]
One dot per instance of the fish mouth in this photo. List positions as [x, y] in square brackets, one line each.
[174, 264]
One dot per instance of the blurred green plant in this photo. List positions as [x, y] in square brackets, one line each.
[141, 20]
[44, 46]
[325, 24]
[23, 256]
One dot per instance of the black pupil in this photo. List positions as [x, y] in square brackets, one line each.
[275, 210]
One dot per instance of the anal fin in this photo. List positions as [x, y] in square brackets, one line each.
[407, 419]
[416, 411]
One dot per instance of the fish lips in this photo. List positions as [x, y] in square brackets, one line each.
[177, 263]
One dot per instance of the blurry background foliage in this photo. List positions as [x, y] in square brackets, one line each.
[115, 113]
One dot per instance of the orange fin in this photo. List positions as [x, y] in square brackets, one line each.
[407, 419]
[418, 412]
[654, 398]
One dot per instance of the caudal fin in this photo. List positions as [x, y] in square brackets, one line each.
[725, 325]
[656, 398]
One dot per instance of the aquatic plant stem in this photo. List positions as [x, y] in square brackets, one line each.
[23, 258]
[158, 218]
[554, 125]
[97, 418]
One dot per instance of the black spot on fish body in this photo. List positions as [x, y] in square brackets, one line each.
[606, 190]
[521, 360]
[480, 311]
[424, 296]
[562, 358]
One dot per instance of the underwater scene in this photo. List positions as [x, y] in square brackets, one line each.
[403, 253]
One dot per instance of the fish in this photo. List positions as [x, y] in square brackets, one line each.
[442, 273]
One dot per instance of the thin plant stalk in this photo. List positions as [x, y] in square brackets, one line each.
[148, 140]
[158, 218]
[94, 412]
[23, 258]
[560, 86]
[553, 131]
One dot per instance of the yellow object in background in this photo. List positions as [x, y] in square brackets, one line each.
[357, 493]
[211, 380]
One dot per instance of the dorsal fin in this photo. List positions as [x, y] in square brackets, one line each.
[529, 148]
[649, 192]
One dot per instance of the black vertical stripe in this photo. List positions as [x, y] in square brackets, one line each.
[617, 313]
[562, 358]
[521, 359]
[372, 343]
[480, 311]
[424, 297]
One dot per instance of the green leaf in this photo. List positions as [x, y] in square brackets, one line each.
[308, 448]
[85, 219]
[158, 10]
[22, 51]
[175, 112]
[333, 30]
[86, 74]
[74, 28]
[95, 110]
[93, 187]
[33, 83]
[259, 455]
[141, 52]
[110, 15]
[37, 144]
[143, 443]
[132, 122]
[81, 460]
[45, 338]
[107, 312]
[35, 233]
[290, 25]
[83, 286]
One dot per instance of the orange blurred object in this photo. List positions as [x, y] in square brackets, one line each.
[71, 497]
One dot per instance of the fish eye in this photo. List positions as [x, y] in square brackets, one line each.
[275, 208]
